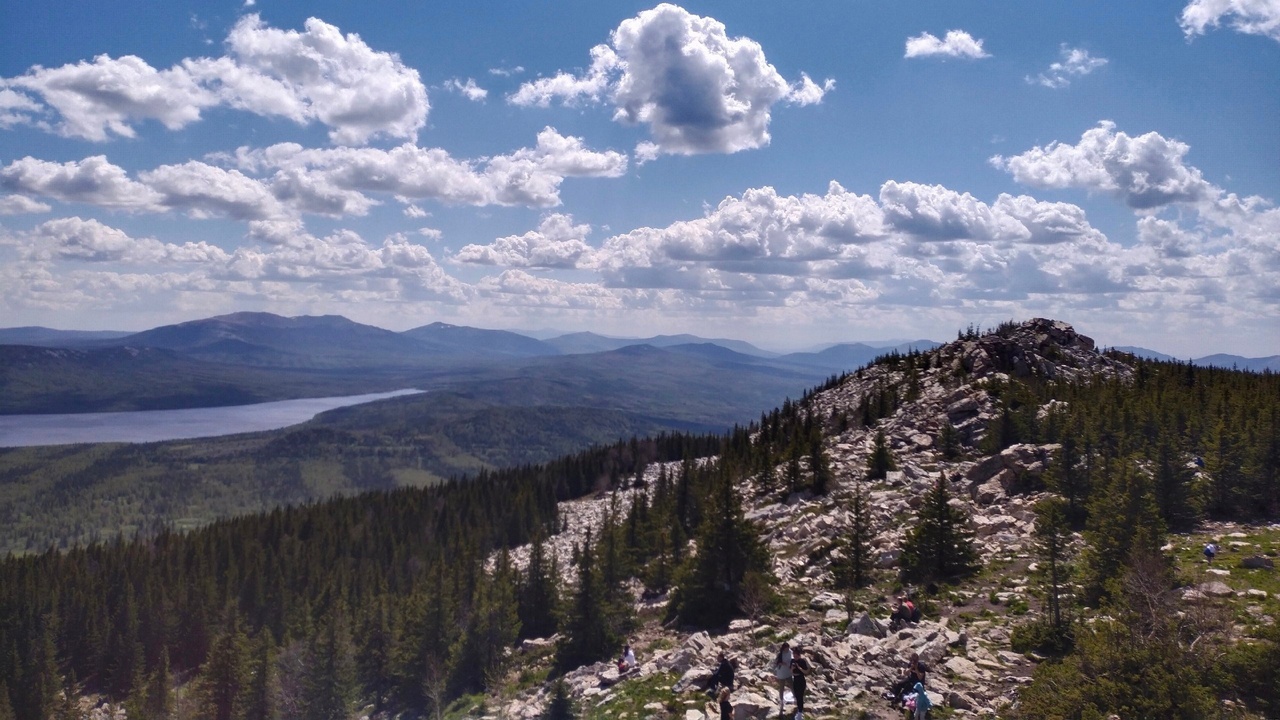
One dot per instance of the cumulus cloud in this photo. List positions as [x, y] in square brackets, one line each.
[697, 89]
[956, 44]
[529, 176]
[1145, 171]
[93, 180]
[21, 205]
[317, 74]
[1075, 63]
[467, 89]
[557, 243]
[1253, 17]
[74, 238]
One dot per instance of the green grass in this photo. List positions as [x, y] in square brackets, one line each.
[630, 696]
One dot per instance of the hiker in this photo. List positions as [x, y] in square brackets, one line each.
[906, 612]
[1210, 551]
[916, 671]
[723, 676]
[782, 672]
[726, 708]
[800, 669]
[628, 660]
[923, 703]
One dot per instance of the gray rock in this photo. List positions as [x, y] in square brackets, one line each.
[1258, 562]
[868, 626]
[1217, 589]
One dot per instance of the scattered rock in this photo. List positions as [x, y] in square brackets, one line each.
[1258, 562]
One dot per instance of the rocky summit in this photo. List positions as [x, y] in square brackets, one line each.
[964, 639]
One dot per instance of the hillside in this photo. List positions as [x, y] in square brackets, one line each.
[1067, 467]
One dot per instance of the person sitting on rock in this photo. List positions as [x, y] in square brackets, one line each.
[723, 676]
[903, 614]
[628, 660]
[916, 672]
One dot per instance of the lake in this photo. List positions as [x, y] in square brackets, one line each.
[155, 425]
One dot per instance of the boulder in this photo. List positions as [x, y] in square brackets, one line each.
[868, 626]
[751, 706]
[1217, 589]
[1258, 562]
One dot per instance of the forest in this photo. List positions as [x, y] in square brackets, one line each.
[405, 599]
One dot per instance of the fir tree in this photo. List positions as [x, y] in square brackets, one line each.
[260, 695]
[1053, 538]
[561, 706]
[1124, 522]
[539, 596]
[819, 467]
[881, 460]
[729, 548]
[940, 546]
[222, 683]
[330, 679]
[854, 571]
[588, 630]
[6, 707]
[374, 654]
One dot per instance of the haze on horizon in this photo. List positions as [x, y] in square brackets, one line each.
[787, 176]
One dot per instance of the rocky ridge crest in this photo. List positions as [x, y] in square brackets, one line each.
[973, 669]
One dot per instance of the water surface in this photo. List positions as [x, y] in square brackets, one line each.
[155, 425]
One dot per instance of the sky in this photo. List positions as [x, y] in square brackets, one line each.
[786, 173]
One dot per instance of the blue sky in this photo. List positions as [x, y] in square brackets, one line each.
[785, 173]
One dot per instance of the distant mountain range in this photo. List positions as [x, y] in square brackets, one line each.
[1220, 360]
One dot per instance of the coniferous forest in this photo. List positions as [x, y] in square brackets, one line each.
[406, 599]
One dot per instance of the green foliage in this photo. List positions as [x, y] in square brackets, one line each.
[1124, 523]
[1053, 541]
[561, 706]
[330, 681]
[881, 460]
[854, 570]
[940, 545]
[595, 622]
[711, 583]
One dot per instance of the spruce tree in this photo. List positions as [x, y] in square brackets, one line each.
[854, 571]
[539, 596]
[819, 466]
[330, 678]
[260, 695]
[223, 680]
[1124, 522]
[374, 654]
[940, 546]
[588, 631]
[881, 460]
[561, 706]
[1053, 538]
[729, 548]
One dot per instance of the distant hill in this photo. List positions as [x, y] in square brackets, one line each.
[49, 337]
[851, 356]
[589, 342]
[1220, 360]
[468, 340]
[264, 339]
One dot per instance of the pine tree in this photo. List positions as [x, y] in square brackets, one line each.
[855, 569]
[223, 681]
[588, 632]
[6, 707]
[260, 695]
[819, 467]
[881, 460]
[1124, 522]
[1053, 538]
[561, 706]
[940, 546]
[539, 594]
[330, 680]
[729, 548]
[373, 654]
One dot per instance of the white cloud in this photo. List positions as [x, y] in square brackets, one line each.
[318, 74]
[205, 191]
[1075, 63]
[506, 71]
[89, 240]
[807, 92]
[1253, 17]
[413, 211]
[93, 180]
[697, 89]
[21, 205]
[517, 287]
[557, 243]
[529, 176]
[467, 89]
[957, 44]
[1145, 171]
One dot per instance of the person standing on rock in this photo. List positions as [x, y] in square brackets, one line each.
[782, 672]
[726, 707]
[800, 669]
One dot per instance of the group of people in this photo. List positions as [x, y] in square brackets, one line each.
[792, 669]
